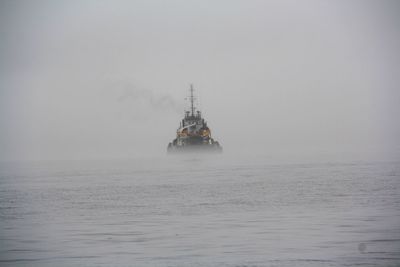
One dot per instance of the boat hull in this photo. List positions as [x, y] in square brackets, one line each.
[174, 149]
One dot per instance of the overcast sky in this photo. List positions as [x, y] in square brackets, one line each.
[107, 79]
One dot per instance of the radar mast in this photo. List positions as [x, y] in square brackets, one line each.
[192, 98]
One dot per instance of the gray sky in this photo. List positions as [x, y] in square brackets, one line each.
[107, 79]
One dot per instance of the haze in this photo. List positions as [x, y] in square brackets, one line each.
[107, 79]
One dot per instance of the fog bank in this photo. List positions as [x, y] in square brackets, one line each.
[107, 79]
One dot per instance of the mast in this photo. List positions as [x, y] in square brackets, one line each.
[192, 99]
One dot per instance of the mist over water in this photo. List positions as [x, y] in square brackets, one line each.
[101, 80]
[302, 96]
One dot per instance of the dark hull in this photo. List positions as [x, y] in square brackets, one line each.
[194, 149]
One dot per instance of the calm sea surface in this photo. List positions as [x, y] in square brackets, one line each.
[199, 211]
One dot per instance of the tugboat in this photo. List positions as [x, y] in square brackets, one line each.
[193, 134]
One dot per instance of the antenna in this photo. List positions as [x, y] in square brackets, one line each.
[192, 99]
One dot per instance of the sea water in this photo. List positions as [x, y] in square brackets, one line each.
[199, 211]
